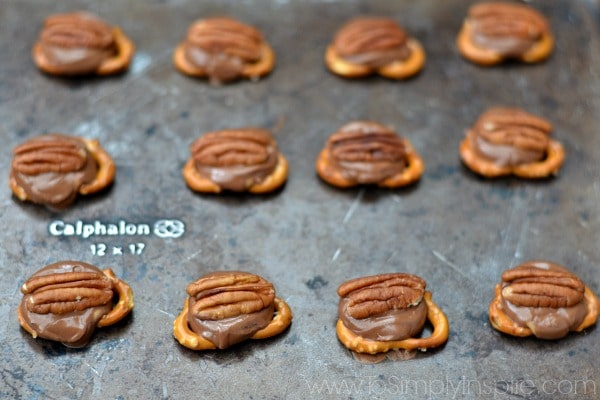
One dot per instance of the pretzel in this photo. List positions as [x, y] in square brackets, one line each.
[555, 155]
[502, 322]
[509, 20]
[395, 70]
[250, 71]
[120, 309]
[486, 57]
[374, 45]
[227, 38]
[200, 183]
[333, 174]
[188, 338]
[104, 176]
[438, 337]
[111, 66]
[123, 306]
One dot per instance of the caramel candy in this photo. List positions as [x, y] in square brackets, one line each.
[223, 49]
[510, 141]
[365, 152]
[80, 43]
[52, 169]
[497, 31]
[67, 300]
[226, 308]
[386, 312]
[542, 299]
[371, 45]
[244, 159]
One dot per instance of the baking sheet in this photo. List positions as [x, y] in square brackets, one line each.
[457, 231]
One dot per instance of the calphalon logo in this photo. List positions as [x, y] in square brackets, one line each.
[163, 228]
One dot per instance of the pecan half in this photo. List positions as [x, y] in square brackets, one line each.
[244, 146]
[77, 30]
[227, 36]
[508, 28]
[229, 294]
[367, 142]
[50, 153]
[373, 295]
[532, 285]
[363, 35]
[61, 293]
[511, 136]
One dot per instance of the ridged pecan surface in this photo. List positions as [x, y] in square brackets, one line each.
[369, 34]
[229, 294]
[529, 285]
[61, 293]
[227, 36]
[245, 146]
[373, 295]
[50, 153]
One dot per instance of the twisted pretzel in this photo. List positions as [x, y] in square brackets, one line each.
[262, 67]
[501, 322]
[394, 70]
[555, 155]
[104, 176]
[410, 174]
[438, 337]
[119, 311]
[113, 65]
[199, 183]
[487, 57]
[190, 339]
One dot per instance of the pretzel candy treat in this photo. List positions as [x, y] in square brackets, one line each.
[497, 31]
[52, 169]
[244, 159]
[67, 300]
[365, 152]
[80, 43]
[542, 299]
[223, 49]
[226, 308]
[372, 45]
[510, 141]
[385, 312]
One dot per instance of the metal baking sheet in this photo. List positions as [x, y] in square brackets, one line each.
[457, 231]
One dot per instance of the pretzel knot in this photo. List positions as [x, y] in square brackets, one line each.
[282, 318]
[502, 322]
[438, 337]
[366, 46]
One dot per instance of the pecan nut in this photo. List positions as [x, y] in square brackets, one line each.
[365, 152]
[383, 38]
[52, 169]
[528, 285]
[508, 28]
[245, 146]
[245, 159]
[373, 295]
[224, 49]
[53, 153]
[67, 300]
[225, 295]
[67, 292]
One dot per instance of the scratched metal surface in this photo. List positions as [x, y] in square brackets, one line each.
[455, 230]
